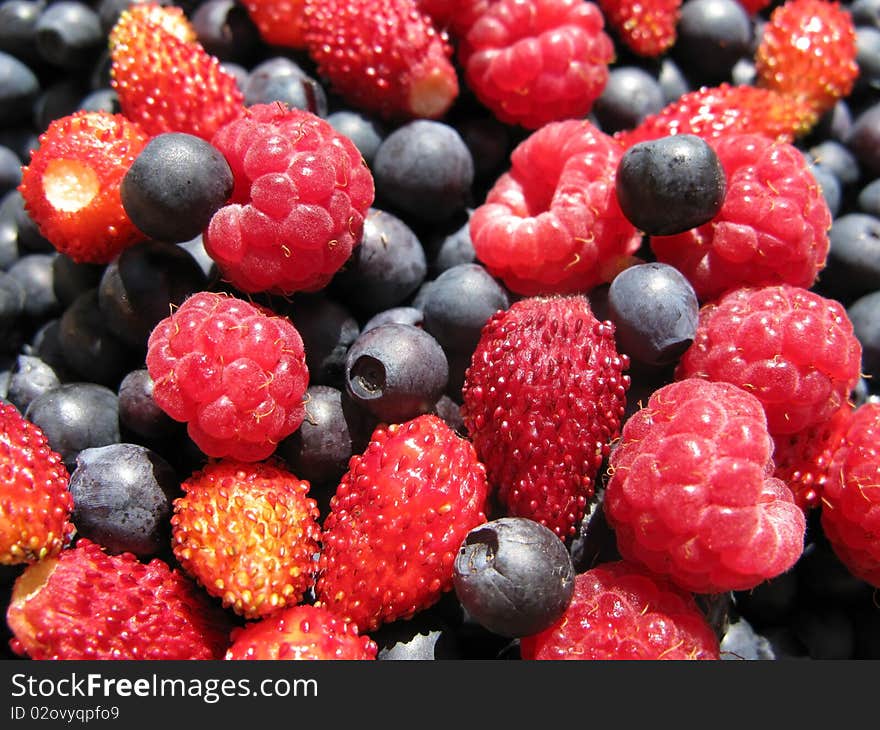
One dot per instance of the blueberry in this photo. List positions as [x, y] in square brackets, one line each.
[853, 263]
[367, 134]
[672, 80]
[327, 329]
[76, 416]
[453, 249]
[8, 231]
[195, 247]
[489, 143]
[865, 12]
[69, 34]
[396, 315]
[670, 185]
[838, 159]
[868, 60]
[70, 279]
[19, 88]
[58, 100]
[425, 170]
[34, 273]
[513, 576]
[225, 30]
[630, 95]
[101, 100]
[280, 79]
[595, 541]
[744, 72]
[712, 36]
[396, 372]
[863, 139]
[450, 411]
[46, 345]
[18, 22]
[138, 412]
[868, 200]
[30, 378]
[12, 299]
[122, 498]
[829, 184]
[10, 170]
[30, 239]
[175, 185]
[864, 314]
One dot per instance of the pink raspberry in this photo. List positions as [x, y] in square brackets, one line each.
[771, 229]
[537, 61]
[236, 375]
[851, 499]
[692, 496]
[552, 224]
[298, 206]
[791, 348]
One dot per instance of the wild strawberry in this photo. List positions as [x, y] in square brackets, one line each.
[397, 520]
[280, 22]
[71, 185]
[249, 534]
[85, 604]
[383, 56]
[647, 28]
[35, 506]
[542, 401]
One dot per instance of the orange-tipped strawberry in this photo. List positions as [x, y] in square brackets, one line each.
[165, 82]
[301, 633]
[35, 505]
[808, 50]
[170, 18]
[86, 604]
[280, 22]
[247, 532]
[71, 185]
[647, 27]
[383, 56]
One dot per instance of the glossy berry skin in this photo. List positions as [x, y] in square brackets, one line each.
[328, 330]
[671, 184]
[630, 95]
[513, 576]
[396, 522]
[789, 347]
[71, 187]
[691, 495]
[281, 79]
[646, 28]
[279, 23]
[536, 61]
[86, 604]
[233, 373]
[68, 34]
[772, 227]
[301, 633]
[712, 36]
[542, 400]
[297, 209]
[621, 612]
[35, 506]
[552, 224]
[866, 327]
[853, 268]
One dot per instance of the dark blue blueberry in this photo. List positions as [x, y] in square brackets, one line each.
[672, 80]
[46, 345]
[196, 248]
[630, 95]
[595, 541]
[864, 313]
[68, 34]
[35, 274]
[489, 143]
[869, 198]
[868, 60]
[19, 88]
[122, 498]
[76, 416]
[452, 249]
[18, 22]
[669, 185]
[22, 140]
[829, 184]
[58, 100]
[29, 378]
[863, 139]
[450, 411]
[101, 100]
[366, 133]
[327, 329]
[424, 170]
[175, 185]
[425, 637]
[8, 230]
[281, 79]
[225, 30]
[744, 72]
[10, 170]
[71, 279]
[836, 157]
[238, 72]
[12, 300]
[826, 632]
[712, 36]
[30, 239]
[853, 263]
[865, 12]
[139, 414]
[655, 312]
[396, 315]
[396, 372]
[513, 576]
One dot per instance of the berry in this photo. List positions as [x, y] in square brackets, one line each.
[301, 633]
[863, 313]
[791, 348]
[396, 315]
[712, 36]
[68, 34]
[630, 95]
[280, 23]
[226, 30]
[396, 522]
[513, 576]
[382, 57]
[620, 612]
[297, 209]
[235, 374]
[86, 604]
[863, 139]
[71, 186]
[456, 16]
[853, 268]
[28, 378]
[278, 79]
[771, 229]
[646, 28]
[366, 133]
[35, 505]
[249, 534]
[18, 90]
[10, 170]
[691, 494]
[139, 413]
[552, 224]
[542, 400]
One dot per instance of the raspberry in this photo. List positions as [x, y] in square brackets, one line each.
[536, 61]
[772, 227]
[692, 496]
[621, 612]
[647, 28]
[552, 224]
[542, 400]
[233, 373]
[791, 348]
[297, 210]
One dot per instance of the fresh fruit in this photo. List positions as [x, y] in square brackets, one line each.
[280, 22]
[646, 28]
[454, 16]
[713, 35]
[542, 401]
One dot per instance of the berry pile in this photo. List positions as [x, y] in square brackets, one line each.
[420, 329]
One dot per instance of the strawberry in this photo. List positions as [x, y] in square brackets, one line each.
[35, 505]
[165, 82]
[86, 604]
[542, 400]
[647, 28]
[383, 56]
[280, 22]
[248, 533]
[397, 520]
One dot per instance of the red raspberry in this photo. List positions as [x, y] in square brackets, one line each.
[236, 375]
[397, 521]
[648, 28]
[542, 401]
[772, 227]
[621, 612]
[791, 348]
[692, 496]
[851, 498]
[552, 224]
[301, 193]
[280, 22]
[536, 61]
[71, 186]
